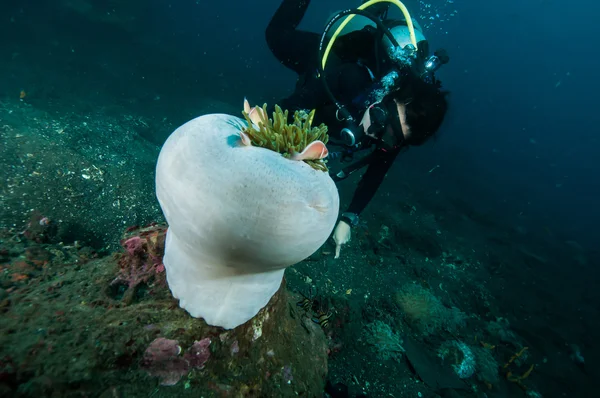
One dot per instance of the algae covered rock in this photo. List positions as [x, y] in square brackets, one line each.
[69, 332]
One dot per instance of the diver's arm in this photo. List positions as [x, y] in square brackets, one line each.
[355, 45]
[361, 43]
[295, 49]
[371, 180]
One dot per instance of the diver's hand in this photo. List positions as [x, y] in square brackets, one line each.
[341, 236]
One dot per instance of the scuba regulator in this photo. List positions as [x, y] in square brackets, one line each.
[352, 134]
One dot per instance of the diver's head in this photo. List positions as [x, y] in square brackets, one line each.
[407, 117]
[424, 110]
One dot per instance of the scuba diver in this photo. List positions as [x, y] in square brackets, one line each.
[374, 88]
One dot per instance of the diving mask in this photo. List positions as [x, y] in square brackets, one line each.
[383, 122]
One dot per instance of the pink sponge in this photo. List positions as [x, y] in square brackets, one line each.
[162, 359]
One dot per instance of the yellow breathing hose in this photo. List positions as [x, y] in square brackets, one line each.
[397, 3]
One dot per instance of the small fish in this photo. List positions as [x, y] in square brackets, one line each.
[245, 139]
[305, 304]
[314, 151]
[255, 113]
[323, 319]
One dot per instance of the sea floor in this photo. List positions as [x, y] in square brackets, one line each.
[429, 297]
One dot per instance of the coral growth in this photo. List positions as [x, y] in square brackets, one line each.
[460, 356]
[141, 263]
[198, 353]
[426, 312]
[387, 343]
[162, 359]
[288, 139]
[40, 229]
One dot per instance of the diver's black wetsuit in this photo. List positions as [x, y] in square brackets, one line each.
[347, 73]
